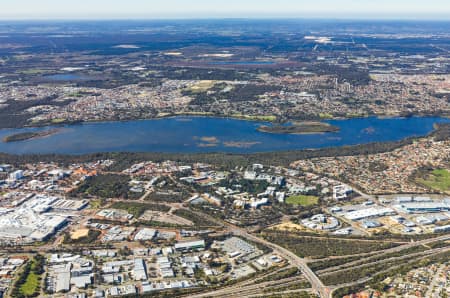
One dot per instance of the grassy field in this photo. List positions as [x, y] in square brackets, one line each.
[302, 200]
[202, 86]
[58, 120]
[31, 285]
[137, 209]
[29, 282]
[268, 118]
[438, 179]
[325, 116]
[96, 204]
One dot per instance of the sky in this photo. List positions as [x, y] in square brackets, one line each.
[181, 9]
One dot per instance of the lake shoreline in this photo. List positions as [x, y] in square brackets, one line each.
[253, 118]
[25, 136]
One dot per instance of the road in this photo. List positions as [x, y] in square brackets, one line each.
[295, 260]
[240, 290]
[363, 263]
[332, 270]
[316, 284]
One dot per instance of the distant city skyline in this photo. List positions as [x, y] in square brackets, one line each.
[180, 9]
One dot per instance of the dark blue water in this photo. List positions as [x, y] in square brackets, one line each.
[243, 63]
[204, 134]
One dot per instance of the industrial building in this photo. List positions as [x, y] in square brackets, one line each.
[145, 234]
[27, 225]
[341, 192]
[368, 213]
[16, 175]
[235, 246]
[139, 270]
[423, 207]
[321, 222]
[370, 224]
[191, 245]
[441, 229]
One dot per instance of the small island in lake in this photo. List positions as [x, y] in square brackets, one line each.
[300, 128]
[23, 136]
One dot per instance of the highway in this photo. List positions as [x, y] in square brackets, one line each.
[240, 289]
[406, 258]
[365, 262]
[295, 260]
[316, 284]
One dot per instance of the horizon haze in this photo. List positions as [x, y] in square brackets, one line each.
[178, 9]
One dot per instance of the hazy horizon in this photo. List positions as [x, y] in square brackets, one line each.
[214, 9]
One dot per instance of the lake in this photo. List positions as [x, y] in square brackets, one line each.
[210, 134]
[63, 77]
[242, 63]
